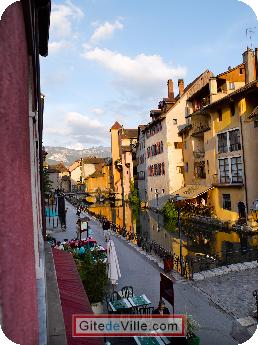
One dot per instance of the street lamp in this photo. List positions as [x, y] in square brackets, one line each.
[177, 198]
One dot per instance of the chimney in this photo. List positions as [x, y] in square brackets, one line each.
[249, 61]
[213, 88]
[170, 88]
[181, 86]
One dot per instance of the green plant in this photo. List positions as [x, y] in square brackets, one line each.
[170, 214]
[93, 273]
[192, 327]
[134, 199]
[47, 184]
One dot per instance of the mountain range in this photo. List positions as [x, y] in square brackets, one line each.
[68, 156]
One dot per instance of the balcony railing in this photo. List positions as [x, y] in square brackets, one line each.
[198, 130]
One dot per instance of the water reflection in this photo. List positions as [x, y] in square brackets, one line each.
[194, 241]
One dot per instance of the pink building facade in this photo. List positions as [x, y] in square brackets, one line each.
[23, 37]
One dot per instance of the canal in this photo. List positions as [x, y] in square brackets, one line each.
[224, 245]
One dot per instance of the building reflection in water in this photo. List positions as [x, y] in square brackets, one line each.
[151, 226]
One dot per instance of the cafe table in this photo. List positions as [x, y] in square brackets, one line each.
[120, 304]
[151, 340]
[138, 301]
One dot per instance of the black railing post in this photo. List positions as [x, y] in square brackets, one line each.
[255, 294]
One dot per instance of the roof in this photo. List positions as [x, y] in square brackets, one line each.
[126, 148]
[93, 160]
[72, 295]
[57, 168]
[129, 133]
[75, 165]
[116, 125]
[184, 128]
[253, 113]
[230, 70]
[243, 89]
[191, 191]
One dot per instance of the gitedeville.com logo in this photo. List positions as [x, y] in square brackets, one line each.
[128, 325]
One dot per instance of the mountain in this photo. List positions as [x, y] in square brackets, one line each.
[68, 156]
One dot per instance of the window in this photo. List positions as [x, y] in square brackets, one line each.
[200, 170]
[163, 168]
[151, 189]
[220, 114]
[231, 86]
[178, 145]
[236, 170]
[208, 166]
[255, 123]
[226, 202]
[232, 109]
[241, 71]
[174, 121]
[186, 167]
[161, 146]
[222, 143]
[234, 140]
[163, 191]
[224, 171]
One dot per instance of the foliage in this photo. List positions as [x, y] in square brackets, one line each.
[93, 273]
[170, 214]
[134, 199]
[192, 327]
[47, 184]
[192, 217]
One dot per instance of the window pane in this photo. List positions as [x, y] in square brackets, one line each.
[222, 143]
[234, 140]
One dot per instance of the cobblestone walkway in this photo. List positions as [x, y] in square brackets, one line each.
[233, 292]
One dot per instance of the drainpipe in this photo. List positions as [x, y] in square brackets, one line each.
[243, 150]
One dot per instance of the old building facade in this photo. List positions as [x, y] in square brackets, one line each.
[123, 150]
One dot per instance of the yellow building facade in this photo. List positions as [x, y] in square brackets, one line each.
[220, 141]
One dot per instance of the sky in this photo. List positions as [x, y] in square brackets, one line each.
[109, 60]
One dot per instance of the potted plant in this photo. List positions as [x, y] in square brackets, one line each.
[93, 273]
[192, 327]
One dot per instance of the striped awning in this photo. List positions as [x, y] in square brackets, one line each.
[191, 191]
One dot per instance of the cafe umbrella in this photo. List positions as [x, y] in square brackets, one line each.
[113, 265]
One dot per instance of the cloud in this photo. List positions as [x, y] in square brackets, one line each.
[142, 73]
[105, 31]
[97, 111]
[77, 129]
[61, 19]
[56, 46]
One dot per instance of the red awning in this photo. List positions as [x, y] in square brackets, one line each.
[72, 295]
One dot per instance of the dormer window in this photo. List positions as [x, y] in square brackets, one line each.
[231, 86]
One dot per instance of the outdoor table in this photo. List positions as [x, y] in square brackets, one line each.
[120, 304]
[138, 301]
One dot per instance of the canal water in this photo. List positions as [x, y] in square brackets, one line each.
[195, 242]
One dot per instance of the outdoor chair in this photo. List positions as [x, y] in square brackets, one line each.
[114, 296]
[127, 291]
[145, 310]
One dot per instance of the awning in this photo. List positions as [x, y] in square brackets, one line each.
[191, 191]
[72, 295]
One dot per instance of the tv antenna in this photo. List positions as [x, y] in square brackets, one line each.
[249, 32]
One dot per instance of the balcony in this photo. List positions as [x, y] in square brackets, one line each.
[200, 129]
[199, 154]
